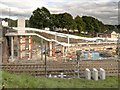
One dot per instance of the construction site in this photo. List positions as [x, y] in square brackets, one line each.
[56, 53]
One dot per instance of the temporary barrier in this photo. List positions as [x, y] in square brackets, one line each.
[102, 73]
[95, 74]
[87, 74]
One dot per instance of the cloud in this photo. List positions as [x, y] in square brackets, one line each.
[23, 4]
[104, 10]
[17, 8]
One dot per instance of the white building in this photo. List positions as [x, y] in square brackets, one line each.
[4, 23]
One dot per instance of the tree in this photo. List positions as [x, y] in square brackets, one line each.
[67, 21]
[80, 24]
[26, 23]
[73, 26]
[11, 23]
[93, 25]
[54, 21]
[118, 27]
[62, 20]
[40, 18]
[112, 27]
[89, 27]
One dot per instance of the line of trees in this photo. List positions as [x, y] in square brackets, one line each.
[42, 18]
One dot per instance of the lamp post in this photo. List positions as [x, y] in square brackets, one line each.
[78, 53]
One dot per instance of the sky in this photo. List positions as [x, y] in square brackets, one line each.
[104, 10]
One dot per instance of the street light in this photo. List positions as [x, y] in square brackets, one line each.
[78, 53]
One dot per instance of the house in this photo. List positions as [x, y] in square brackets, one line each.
[114, 34]
[4, 23]
[108, 34]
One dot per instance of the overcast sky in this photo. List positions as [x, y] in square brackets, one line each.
[104, 10]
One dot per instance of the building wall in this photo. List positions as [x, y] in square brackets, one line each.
[6, 46]
[25, 47]
[114, 34]
[105, 35]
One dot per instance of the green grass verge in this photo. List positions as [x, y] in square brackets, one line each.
[28, 81]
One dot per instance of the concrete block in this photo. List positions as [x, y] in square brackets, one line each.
[102, 74]
[87, 74]
[61, 75]
[95, 74]
[4, 23]
[50, 75]
[55, 76]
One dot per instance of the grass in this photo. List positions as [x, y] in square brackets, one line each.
[28, 81]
